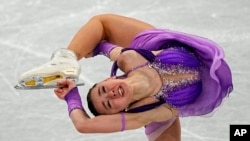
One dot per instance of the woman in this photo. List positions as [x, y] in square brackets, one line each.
[167, 75]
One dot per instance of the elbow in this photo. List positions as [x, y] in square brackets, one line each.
[80, 128]
[83, 127]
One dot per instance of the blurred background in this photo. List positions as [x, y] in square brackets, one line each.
[30, 30]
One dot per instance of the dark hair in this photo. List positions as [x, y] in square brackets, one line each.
[90, 102]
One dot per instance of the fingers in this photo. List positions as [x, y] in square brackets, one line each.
[70, 83]
[58, 93]
[63, 87]
[62, 83]
[174, 111]
[67, 83]
[58, 90]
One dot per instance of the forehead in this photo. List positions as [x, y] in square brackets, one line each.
[97, 99]
[95, 92]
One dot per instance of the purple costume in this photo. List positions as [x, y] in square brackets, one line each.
[200, 94]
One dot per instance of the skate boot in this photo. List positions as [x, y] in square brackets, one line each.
[62, 65]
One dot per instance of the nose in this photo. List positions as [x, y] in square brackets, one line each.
[112, 94]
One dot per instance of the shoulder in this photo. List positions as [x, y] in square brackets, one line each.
[127, 55]
[128, 59]
[131, 58]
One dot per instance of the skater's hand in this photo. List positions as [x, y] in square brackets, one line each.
[63, 88]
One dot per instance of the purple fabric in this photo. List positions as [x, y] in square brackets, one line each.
[215, 73]
[185, 94]
[73, 100]
[145, 53]
[103, 48]
[145, 107]
[177, 96]
[123, 122]
[156, 125]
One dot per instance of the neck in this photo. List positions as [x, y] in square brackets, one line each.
[141, 87]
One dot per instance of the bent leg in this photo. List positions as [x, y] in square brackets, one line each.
[173, 133]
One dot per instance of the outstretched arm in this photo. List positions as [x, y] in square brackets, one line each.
[102, 123]
[113, 123]
[115, 29]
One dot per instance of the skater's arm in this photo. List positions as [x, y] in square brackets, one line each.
[106, 123]
[113, 123]
[101, 124]
[115, 29]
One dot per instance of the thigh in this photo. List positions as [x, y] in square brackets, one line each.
[173, 133]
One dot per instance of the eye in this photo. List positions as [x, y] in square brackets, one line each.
[103, 89]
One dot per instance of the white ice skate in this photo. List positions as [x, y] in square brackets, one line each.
[63, 65]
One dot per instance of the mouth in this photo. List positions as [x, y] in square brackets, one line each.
[121, 91]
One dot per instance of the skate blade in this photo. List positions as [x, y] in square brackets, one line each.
[23, 87]
[42, 80]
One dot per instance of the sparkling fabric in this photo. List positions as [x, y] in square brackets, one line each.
[215, 74]
[200, 94]
[180, 73]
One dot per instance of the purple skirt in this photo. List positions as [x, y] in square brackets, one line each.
[215, 73]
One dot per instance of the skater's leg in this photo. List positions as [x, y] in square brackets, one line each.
[115, 29]
[173, 133]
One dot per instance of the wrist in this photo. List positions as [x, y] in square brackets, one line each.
[73, 100]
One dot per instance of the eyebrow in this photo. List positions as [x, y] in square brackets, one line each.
[99, 92]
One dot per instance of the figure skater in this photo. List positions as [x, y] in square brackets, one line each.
[167, 75]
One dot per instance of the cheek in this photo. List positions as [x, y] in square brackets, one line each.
[120, 103]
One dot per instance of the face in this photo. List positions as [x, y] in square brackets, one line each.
[111, 96]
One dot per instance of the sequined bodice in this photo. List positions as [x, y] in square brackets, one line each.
[174, 77]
